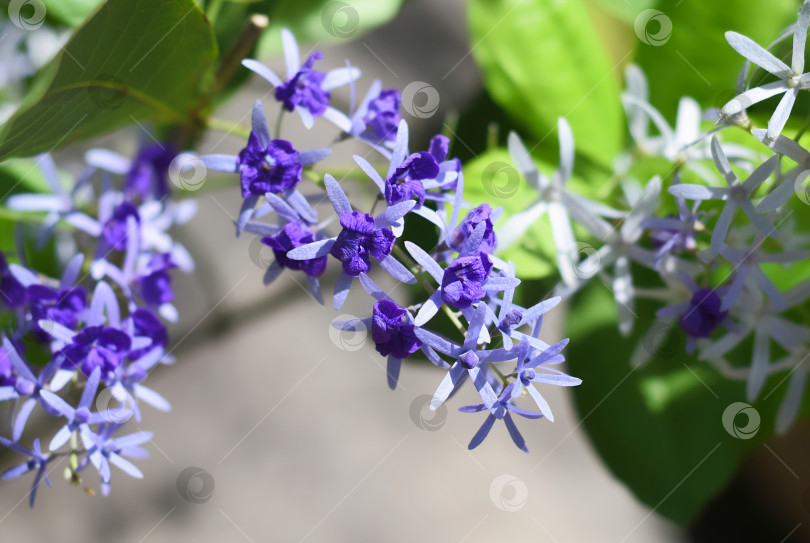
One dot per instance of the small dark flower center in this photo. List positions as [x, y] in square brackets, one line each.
[469, 359]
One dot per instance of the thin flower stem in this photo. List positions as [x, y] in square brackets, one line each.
[278, 121]
[74, 446]
[374, 205]
[232, 59]
[503, 377]
[226, 126]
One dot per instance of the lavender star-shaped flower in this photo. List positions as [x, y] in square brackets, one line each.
[511, 317]
[468, 360]
[527, 374]
[30, 386]
[737, 195]
[554, 198]
[305, 90]
[620, 250]
[37, 461]
[790, 78]
[59, 204]
[78, 417]
[676, 233]
[103, 450]
[500, 410]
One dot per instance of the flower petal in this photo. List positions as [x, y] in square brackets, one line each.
[756, 54]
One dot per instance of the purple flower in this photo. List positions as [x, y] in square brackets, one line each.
[292, 235]
[392, 333]
[704, 313]
[500, 410]
[104, 450]
[510, 316]
[272, 168]
[115, 229]
[449, 169]
[359, 241]
[528, 374]
[736, 196]
[7, 378]
[79, 417]
[363, 237]
[480, 214]
[147, 177]
[96, 347]
[462, 282]
[156, 283]
[147, 324]
[469, 359]
[31, 386]
[406, 181]
[675, 233]
[267, 166]
[392, 330]
[304, 89]
[129, 390]
[439, 147]
[63, 306]
[36, 462]
[383, 115]
[12, 293]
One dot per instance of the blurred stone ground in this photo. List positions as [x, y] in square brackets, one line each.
[301, 439]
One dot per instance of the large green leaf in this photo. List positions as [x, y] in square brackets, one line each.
[542, 60]
[21, 175]
[150, 60]
[695, 58]
[71, 12]
[660, 428]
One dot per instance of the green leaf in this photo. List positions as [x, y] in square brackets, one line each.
[681, 65]
[71, 12]
[659, 428]
[7, 225]
[21, 175]
[542, 60]
[151, 60]
[626, 10]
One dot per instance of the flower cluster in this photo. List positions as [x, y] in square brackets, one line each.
[464, 281]
[79, 347]
[716, 230]
[716, 241]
